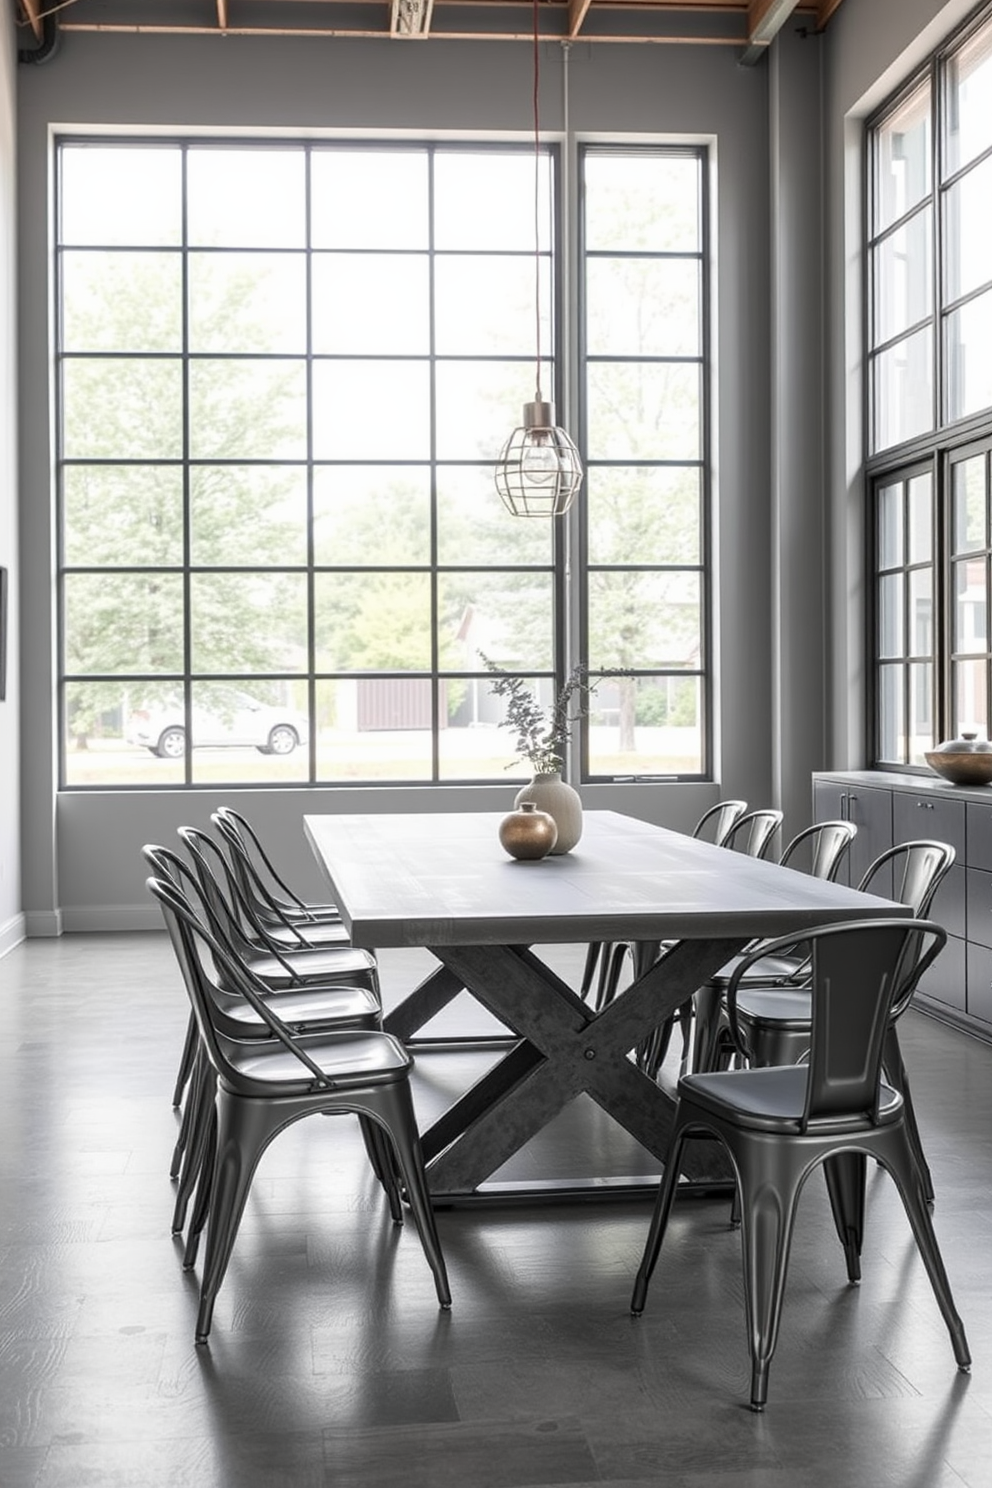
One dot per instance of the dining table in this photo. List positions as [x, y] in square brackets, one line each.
[440, 880]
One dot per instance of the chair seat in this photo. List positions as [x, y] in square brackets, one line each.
[300, 1010]
[346, 1058]
[325, 933]
[773, 1100]
[327, 965]
[787, 1008]
[768, 969]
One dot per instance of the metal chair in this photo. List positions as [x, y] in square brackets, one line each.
[775, 1015]
[262, 1089]
[819, 850]
[779, 1124]
[713, 826]
[276, 905]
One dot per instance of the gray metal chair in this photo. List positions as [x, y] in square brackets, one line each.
[287, 917]
[775, 1015]
[779, 1124]
[262, 1089]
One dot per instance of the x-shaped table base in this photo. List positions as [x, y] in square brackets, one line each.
[564, 1049]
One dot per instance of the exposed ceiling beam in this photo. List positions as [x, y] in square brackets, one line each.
[825, 11]
[765, 19]
[222, 14]
[32, 11]
[410, 17]
[577, 12]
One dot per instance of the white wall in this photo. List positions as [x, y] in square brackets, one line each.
[83, 870]
[11, 923]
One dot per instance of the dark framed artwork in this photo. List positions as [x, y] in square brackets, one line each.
[3, 634]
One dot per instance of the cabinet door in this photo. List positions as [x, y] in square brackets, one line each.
[871, 812]
[941, 820]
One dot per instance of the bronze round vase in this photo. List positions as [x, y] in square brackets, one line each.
[528, 833]
[561, 801]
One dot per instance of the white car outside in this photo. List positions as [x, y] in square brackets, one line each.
[233, 720]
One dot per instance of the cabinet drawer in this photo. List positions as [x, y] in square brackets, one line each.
[980, 836]
[947, 979]
[934, 817]
[949, 904]
[979, 982]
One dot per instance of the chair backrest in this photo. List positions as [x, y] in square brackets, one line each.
[862, 976]
[194, 945]
[910, 873]
[228, 913]
[714, 824]
[823, 847]
[266, 908]
[244, 841]
[753, 833]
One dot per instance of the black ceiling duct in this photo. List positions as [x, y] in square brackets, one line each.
[47, 47]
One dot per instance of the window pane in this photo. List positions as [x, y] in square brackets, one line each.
[247, 302]
[485, 200]
[643, 307]
[121, 195]
[99, 743]
[644, 619]
[487, 304]
[122, 301]
[644, 411]
[123, 516]
[369, 198]
[371, 410]
[644, 514]
[122, 408]
[890, 637]
[246, 198]
[969, 358]
[920, 711]
[970, 606]
[473, 527]
[920, 583]
[968, 487]
[246, 409]
[511, 606]
[123, 622]
[242, 514]
[891, 740]
[903, 389]
[903, 277]
[890, 545]
[642, 202]
[902, 159]
[920, 491]
[254, 732]
[647, 726]
[971, 708]
[371, 514]
[967, 226]
[373, 622]
[479, 404]
[226, 635]
[371, 305]
[969, 100]
[372, 728]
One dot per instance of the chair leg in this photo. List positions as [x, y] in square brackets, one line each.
[898, 1078]
[767, 1218]
[201, 1098]
[659, 1222]
[392, 1106]
[846, 1175]
[190, 1045]
[708, 1002]
[899, 1159]
[201, 1202]
[593, 952]
[381, 1161]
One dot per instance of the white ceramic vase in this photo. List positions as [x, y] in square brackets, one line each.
[555, 796]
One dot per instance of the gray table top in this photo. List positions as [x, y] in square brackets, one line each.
[438, 878]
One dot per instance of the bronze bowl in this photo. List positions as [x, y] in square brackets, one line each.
[964, 761]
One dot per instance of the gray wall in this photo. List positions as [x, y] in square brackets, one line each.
[11, 925]
[787, 506]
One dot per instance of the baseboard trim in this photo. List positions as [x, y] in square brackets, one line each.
[115, 917]
[43, 923]
[12, 934]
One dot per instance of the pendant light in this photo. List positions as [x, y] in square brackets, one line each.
[539, 470]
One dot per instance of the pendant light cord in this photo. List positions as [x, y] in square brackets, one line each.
[537, 203]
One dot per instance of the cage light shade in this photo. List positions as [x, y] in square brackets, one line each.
[538, 471]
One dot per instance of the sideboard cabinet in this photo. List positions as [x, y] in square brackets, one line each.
[892, 808]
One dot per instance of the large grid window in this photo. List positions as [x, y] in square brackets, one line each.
[930, 400]
[285, 371]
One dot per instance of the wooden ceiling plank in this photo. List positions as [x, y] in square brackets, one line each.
[33, 14]
[577, 12]
[222, 14]
[765, 19]
[825, 11]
